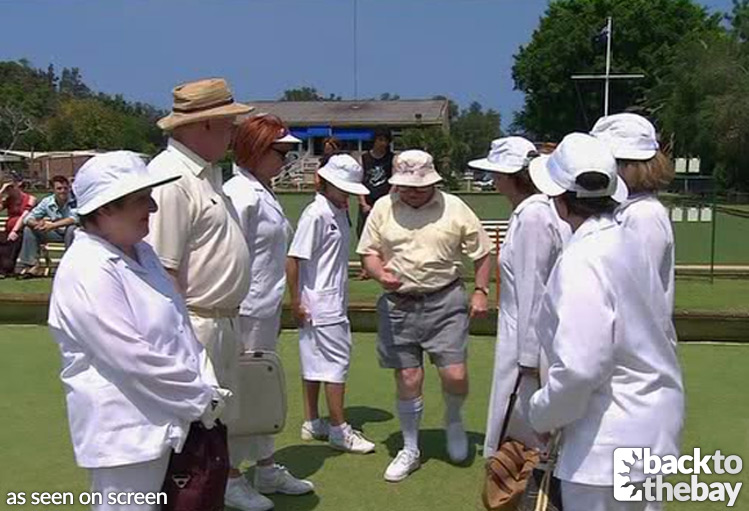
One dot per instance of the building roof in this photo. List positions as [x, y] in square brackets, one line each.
[370, 113]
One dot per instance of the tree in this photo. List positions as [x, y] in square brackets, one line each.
[646, 33]
[71, 83]
[307, 94]
[386, 96]
[16, 123]
[473, 131]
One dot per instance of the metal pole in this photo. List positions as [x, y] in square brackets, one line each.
[356, 50]
[609, 35]
[712, 242]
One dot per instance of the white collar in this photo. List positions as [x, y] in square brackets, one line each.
[591, 226]
[195, 163]
[537, 197]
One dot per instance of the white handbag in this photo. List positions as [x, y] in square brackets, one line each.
[262, 395]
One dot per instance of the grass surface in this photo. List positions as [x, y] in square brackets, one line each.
[37, 455]
[692, 293]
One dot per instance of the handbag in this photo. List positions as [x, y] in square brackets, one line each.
[262, 395]
[510, 468]
[196, 477]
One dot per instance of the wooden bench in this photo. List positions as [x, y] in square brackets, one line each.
[50, 253]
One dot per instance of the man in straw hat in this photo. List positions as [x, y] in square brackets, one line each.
[198, 239]
[413, 244]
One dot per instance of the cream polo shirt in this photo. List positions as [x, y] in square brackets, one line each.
[424, 246]
[196, 231]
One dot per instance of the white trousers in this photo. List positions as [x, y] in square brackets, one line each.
[583, 497]
[255, 334]
[147, 477]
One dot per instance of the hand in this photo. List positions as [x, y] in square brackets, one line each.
[479, 305]
[366, 208]
[389, 281]
[215, 407]
[300, 313]
[47, 226]
[13, 236]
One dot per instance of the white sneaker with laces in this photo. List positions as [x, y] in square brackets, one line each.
[315, 430]
[277, 479]
[351, 441]
[240, 495]
[457, 442]
[402, 465]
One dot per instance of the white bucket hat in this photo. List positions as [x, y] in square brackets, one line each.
[577, 154]
[629, 136]
[507, 155]
[345, 173]
[414, 168]
[110, 176]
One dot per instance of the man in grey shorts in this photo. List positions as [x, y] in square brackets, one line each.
[413, 244]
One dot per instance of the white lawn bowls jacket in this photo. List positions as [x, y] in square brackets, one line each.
[322, 243]
[614, 379]
[647, 220]
[533, 242]
[267, 232]
[134, 374]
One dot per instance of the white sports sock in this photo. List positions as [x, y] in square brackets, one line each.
[409, 413]
[453, 406]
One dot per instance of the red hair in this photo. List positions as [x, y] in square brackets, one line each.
[254, 137]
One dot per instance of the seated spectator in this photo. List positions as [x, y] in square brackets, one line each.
[52, 220]
[17, 203]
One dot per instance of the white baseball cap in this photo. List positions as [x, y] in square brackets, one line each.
[577, 154]
[507, 155]
[414, 168]
[345, 173]
[629, 136]
[110, 176]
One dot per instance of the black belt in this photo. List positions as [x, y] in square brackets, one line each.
[427, 294]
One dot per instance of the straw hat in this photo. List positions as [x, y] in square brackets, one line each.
[414, 168]
[202, 100]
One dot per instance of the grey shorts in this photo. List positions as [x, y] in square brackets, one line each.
[409, 325]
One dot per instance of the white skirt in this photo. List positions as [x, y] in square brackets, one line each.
[325, 352]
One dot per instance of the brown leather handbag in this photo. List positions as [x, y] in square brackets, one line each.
[196, 477]
[510, 468]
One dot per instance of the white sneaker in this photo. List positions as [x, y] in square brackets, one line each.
[351, 441]
[457, 442]
[316, 430]
[240, 495]
[404, 463]
[277, 479]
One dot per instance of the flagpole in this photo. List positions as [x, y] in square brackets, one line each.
[609, 35]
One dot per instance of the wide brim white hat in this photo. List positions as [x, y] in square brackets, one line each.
[554, 176]
[508, 155]
[110, 176]
[414, 169]
[628, 136]
[345, 173]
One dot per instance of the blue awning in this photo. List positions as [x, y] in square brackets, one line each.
[353, 133]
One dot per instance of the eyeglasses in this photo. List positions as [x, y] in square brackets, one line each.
[286, 156]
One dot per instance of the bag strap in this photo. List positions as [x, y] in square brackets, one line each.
[510, 406]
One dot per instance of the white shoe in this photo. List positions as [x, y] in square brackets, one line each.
[240, 495]
[457, 442]
[277, 479]
[316, 430]
[351, 441]
[404, 463]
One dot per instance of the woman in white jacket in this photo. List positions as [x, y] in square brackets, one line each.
[645, 169]
[614, 379]
[261, 144]
[533, 242]
[135, 376]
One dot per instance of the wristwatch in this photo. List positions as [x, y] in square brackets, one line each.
[480, 289]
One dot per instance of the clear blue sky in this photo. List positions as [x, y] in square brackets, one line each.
[416, 48]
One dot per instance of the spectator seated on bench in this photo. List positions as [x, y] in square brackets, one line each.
[15, 203]
[52, 220]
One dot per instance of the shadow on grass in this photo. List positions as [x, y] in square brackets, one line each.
[433, 445]
[358, 416]
[305, 460]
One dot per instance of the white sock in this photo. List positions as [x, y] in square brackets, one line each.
[339, 431]
[453, 406]
[409, 413]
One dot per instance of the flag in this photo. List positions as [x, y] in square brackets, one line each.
[602, 36]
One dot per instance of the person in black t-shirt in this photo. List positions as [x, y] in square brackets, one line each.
[378, 167]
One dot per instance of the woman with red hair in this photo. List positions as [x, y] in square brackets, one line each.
[261, 146]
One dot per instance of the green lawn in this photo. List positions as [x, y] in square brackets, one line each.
[697, 294]
[37, 455]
